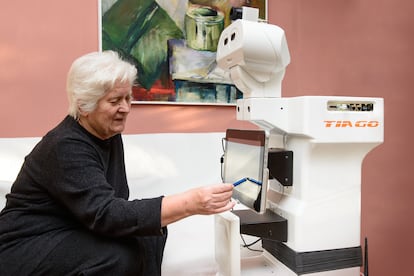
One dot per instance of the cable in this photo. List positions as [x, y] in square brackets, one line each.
[222, 158]
[366, 257]
[221, 167]
[245, 245]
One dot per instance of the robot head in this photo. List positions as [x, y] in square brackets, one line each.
[256, 54]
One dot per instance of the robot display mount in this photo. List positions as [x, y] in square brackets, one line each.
[329, 137]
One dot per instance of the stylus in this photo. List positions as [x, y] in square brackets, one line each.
[238, 182]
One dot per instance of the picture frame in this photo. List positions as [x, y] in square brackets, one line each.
[174, 59]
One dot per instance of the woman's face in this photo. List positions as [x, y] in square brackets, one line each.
[109, 116]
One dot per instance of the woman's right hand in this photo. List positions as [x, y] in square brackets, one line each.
[206, 200]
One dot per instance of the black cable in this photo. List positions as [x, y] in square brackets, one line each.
[251, 244]
[366, 257]
[222, 158]
[221, 167]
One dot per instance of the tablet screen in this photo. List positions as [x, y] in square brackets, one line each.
[245, 165]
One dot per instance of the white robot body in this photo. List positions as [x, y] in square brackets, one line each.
[328, 135]
[323, 204]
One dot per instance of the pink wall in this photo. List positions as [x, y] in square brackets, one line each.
[341, 47]
[39, 40]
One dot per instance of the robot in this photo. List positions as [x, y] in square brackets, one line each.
[329, 137]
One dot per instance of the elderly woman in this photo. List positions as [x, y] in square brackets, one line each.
[68, 211]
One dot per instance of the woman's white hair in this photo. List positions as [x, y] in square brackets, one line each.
[91, 76]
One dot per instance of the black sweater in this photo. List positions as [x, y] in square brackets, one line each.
[71, 180]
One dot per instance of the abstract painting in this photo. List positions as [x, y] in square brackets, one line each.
[173, 46]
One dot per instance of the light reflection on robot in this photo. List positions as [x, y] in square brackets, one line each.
[329, 137]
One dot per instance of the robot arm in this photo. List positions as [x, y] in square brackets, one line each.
[256, 55]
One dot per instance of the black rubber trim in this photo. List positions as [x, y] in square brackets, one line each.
[314, 261]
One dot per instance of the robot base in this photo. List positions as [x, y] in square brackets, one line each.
[315, 261]
[265, 264]
[232, 261]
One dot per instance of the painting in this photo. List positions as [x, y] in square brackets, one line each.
[173, 45]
